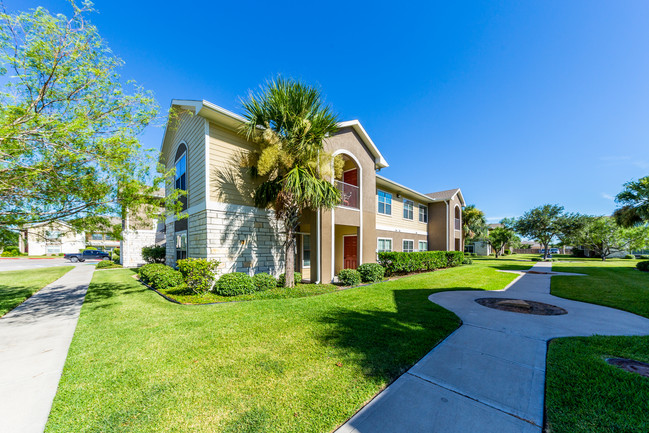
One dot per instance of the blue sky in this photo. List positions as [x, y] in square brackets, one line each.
[517, 103]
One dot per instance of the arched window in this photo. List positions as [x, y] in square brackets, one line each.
[181, 167]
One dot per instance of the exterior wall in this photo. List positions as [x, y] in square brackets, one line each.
[437, 231]
[396, 219]
[453, 233]
[69, 242]
[243, 238]
[229, 183]
[171, 245]
[130, 248]
[398, 237]
[348, 141]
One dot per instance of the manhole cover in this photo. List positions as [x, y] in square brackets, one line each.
[521, 306]
[630, 365]
[539, 272]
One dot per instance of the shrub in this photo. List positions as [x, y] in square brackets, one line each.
[107, 264]
[87, 248]
[236, 283]
[403, 263]
[536, 259]
[629, 256]
[467, 261]
[281, 281]
[154, 254]
[160, 277]
[644, 256]
[264, 282]
[10, 253]
[61, 254]
[643, 266]
[349, 277]
[199, 274]
[508, 252]
[371, 272]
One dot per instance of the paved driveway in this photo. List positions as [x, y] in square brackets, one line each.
[25, 263]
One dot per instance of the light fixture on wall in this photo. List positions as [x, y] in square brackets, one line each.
[398, 195]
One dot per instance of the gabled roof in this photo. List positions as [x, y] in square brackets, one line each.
[447, 195]
[232, 121]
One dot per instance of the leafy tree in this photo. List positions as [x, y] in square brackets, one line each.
[546, 223]
[69, 127]
[474, 223]
[289, 121]
[8, 238]
[604, 236]
[499, 237]
[635, 203]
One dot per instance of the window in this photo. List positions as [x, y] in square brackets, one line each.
[181, 173]
[423, 246]
[181, 245]
[385, 203]
[408, 209]
[109, 238]
[423, 213]
[408, 246]
[52, 234]
[96, 237]
[53, 249]
[306, 251]
[384, 245]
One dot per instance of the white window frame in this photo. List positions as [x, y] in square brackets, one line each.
[419, 245]
[403, 245]
[177, 236]
[177, 176]
[385, 205]
[412, 210]
[379, 250]
[425, 214]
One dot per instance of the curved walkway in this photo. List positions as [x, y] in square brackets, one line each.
[34, 342]
[489, 375]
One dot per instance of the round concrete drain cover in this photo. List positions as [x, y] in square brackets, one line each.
[522, 306]
[630, 365]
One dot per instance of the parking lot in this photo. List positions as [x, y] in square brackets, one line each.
[11, 264]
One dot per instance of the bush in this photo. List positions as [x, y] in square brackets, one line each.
[160, 277]
[264, 282]
[199, 274]
[61, 254]
[154, 254]
[349, 277]
[281, 281]
[629, 256]
[236, 283]
[10, 253]
[643, 266]
[467, 261]
[371, 272]
[403, 263]
[508, 252]
[107, 264]
[644, 256]
[536, 259]
[87, 248]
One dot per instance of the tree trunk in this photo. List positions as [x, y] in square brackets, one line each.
[546, 250]
[289, 255]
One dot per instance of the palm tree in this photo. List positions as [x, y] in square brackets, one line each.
[474, 223]
[289, 121]
[635, 203]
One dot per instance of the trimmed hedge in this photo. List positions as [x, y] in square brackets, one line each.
[403, 263]
[264, 282]
[349, 277]
[629, 257]
[281, 281]
[236, 283]
[371, 272]
[160, 277]
[107, 264]
[467, 261]
[643, 266]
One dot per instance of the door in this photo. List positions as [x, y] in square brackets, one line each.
[350, 252]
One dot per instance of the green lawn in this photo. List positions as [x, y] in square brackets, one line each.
[17, 286]
[299, 291]
[139, 363]
[583, 393]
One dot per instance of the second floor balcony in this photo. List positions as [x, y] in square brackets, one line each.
[349, 193]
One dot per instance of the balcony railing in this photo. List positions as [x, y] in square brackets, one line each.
[458, 224]
[349, 194]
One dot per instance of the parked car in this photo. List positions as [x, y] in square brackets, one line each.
[87, 255]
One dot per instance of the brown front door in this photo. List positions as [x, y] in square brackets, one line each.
[350, 260]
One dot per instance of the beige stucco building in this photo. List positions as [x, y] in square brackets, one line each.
[202, 143]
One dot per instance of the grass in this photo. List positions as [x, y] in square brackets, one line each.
[299, 291]
[583, 393]
[139, 363]
[17, 286]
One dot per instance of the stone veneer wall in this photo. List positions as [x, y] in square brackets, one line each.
[242, 238]
[130, 249]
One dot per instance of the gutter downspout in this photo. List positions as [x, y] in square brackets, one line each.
[445, 201]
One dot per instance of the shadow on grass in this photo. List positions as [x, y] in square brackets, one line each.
[387, 343]
[100, 293]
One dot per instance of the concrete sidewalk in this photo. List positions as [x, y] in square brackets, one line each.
[34, 342]
[489, 375]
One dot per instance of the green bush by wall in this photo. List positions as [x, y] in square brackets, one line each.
[403, 263]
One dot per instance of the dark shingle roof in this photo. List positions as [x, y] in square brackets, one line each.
[443, 195]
